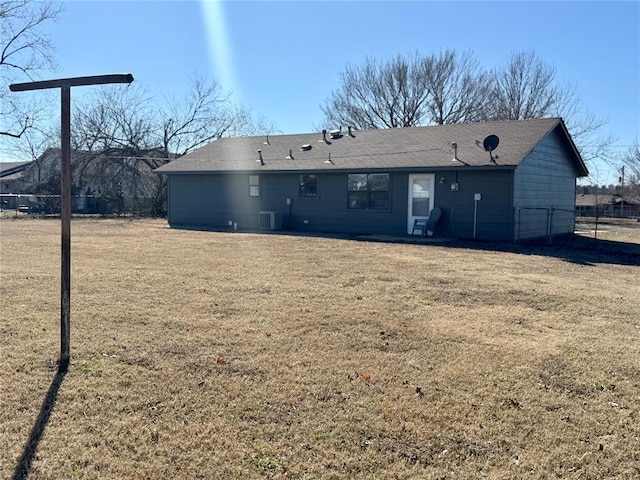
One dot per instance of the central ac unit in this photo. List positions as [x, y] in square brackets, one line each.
[267, 221]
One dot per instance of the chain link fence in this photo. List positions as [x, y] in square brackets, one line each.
[609, 228]
[535, 223]
[550, 223]
[28, 204]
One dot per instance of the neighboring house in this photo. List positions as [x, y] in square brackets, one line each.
[11, 183]
[382, 181]
[11, 174]
[607, 205]
[108, 181]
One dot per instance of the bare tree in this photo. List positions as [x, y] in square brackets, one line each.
[246, 123]
[24, 51]
[631, 162]
[127, 118]
[203, 115]
[527, 87]
[458, 88]
[117, 142]
[410, 91]
[586, 128]
[379, 95]
[115, 117]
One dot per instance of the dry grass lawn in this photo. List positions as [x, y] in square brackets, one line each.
[622, 230]
[220, 355]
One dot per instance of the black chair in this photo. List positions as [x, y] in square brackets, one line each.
[426, 226]
[420, 226]
[434, 218]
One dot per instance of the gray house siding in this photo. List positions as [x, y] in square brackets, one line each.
[544, 190]
[215, 200]
[330, 212]
[494, 219]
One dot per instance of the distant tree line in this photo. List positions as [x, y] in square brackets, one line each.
[450, 87]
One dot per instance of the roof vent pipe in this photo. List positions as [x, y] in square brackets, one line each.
[324, 135]
[455, 152]
[335, 133]
[290, 156]
[266, 142]
[349, 128]
[260, 159]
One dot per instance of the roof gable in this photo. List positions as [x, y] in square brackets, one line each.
[11, 168]
[573, 152]
[402, 148]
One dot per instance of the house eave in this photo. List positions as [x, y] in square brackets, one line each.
[583, 171]
[20, 167]
[335, 169]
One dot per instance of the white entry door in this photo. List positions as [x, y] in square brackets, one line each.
[421, 187]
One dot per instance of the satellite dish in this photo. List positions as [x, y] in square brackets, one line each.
[491, 143]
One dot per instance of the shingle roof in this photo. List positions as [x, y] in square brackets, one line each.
[591, 200]
[10, 170]
[414, 147]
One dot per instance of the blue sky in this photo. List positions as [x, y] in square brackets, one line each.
[282, 59]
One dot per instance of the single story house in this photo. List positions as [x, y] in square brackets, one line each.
[105, 181]
[504, 181]
[607, 205]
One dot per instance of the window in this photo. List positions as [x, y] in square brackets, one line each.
[368, 191]
[254, 185]
[308, 185]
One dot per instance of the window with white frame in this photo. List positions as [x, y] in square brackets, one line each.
[254, 185]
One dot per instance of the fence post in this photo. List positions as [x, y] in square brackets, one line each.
[550, 225]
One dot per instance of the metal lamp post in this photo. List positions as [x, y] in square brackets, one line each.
[65, 85]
